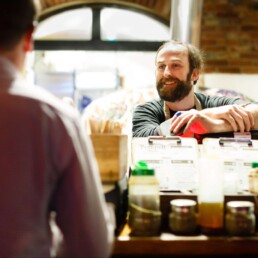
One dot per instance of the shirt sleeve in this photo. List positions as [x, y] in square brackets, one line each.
[78, 199]
[147, 119]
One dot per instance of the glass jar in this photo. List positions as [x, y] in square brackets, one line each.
[144, 202]
[240, 218]
[182, 219]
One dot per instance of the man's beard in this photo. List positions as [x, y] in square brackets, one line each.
[176, 92]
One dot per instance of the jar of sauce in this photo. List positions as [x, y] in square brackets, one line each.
[182, 219]
[240, 218]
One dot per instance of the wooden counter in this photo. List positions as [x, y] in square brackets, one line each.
[170, 245]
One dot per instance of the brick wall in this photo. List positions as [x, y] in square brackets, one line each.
[229, 36]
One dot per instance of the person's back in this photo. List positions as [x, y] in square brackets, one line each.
[45, 166]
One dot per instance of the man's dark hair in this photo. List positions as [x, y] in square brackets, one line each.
[195, 56]
[16, 17]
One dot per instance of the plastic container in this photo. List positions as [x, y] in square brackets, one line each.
[211, 196]
[144, 202]
[182, 219]
[253, 178]
[240, 218]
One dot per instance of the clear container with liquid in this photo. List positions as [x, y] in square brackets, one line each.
[144, 202]
[253, 178]
[211, 196]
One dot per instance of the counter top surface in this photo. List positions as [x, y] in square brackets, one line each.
[170, 245]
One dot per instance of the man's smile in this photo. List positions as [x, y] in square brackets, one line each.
[170, 83]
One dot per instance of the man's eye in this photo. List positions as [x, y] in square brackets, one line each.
[161, 67]
[175, 65]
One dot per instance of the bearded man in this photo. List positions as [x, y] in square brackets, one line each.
[181, 110]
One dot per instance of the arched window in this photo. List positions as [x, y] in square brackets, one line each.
[101, 27]
[91, 50]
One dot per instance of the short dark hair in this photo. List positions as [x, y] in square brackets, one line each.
[195, 56]
[16, 17]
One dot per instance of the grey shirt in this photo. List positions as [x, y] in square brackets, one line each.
[147, 117]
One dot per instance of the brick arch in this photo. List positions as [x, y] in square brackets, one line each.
[158, 9]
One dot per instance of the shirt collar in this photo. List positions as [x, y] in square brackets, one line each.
[7, 69]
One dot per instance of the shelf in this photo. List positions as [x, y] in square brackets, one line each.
[170, 245]
[199, 245]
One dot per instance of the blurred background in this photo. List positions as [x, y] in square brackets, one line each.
[88, 49]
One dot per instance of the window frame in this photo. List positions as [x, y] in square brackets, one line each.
[96, 43]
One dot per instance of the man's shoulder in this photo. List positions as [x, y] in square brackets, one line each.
[155, 103]
[201, 96]
[41, 99]
[208, 101]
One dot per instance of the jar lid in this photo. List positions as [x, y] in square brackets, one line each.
[183, 202]
[142, 169]
[240, 206]
[255, 164]
[182, 205]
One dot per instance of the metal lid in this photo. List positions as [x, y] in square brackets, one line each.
[182, 205]
[240, 206]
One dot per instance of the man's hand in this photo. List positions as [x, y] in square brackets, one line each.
[237, 116]
[194, 121]
[213, 120]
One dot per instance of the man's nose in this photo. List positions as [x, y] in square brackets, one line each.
[168, 72]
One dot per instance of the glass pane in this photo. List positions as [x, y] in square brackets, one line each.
[86, 71]
[118, 24]
[72, 24]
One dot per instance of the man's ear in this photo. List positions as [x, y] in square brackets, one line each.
[195, 75]
[28, 42]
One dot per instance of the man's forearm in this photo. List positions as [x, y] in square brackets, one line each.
[253, 108]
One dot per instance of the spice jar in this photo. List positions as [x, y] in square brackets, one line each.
[144, 202]
[182, 219]
[240, 218]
